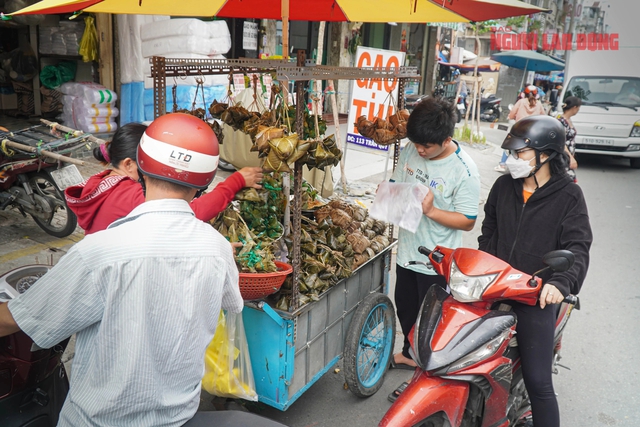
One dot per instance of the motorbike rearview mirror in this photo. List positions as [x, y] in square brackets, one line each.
[510, 107]
[556, 261]
[559, 261]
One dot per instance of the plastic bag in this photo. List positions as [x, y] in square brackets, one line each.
[24, 65]
[89, 43]
[227, 364]
[52, 76]
[399, 203]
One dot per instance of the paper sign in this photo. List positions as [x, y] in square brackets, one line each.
[370, 97]
[250, 36]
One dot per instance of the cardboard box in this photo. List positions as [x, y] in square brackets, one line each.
[8, 101]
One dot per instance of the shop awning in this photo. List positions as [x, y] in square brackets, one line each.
[484, 10]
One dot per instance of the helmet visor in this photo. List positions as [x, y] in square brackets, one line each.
[512, 142]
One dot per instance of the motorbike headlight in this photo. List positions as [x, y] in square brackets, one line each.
[635, 131]
[468, 288]
[481, 353]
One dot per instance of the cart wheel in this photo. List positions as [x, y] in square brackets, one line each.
[368, 346]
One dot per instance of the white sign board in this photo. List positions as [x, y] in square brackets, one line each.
[530, 77]
[372, 97]
[250, 36]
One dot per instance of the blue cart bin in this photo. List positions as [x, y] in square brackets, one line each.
[290, 351]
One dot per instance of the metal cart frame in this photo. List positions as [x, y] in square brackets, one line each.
[291, 350]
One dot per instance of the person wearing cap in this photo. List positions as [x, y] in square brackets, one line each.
[534, 210]
[113, 193]
[530, 105]
[143, 296]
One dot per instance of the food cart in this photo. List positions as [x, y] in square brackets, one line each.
[354, 319]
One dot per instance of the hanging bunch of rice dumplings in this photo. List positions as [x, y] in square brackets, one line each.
[384, 132]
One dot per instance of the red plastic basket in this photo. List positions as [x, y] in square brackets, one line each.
[260, 285]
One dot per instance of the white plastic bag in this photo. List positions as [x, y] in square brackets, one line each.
[399, 203]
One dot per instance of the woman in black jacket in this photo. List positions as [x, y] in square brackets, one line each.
[536, 210]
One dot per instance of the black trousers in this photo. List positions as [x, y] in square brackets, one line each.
[411, 288]
[535, 330]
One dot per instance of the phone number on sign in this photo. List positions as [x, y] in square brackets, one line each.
[365, 142]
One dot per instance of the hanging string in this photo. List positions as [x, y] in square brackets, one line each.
[6, 150]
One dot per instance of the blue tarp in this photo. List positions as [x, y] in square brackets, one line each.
[136, 102]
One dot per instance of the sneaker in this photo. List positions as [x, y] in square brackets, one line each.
[500, 168]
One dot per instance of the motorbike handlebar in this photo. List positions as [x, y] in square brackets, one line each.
[571, 299]
[424, 251]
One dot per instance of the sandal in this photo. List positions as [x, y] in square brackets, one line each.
[397, 392]
[394, 365]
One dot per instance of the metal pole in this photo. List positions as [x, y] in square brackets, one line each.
[425, 57]
[526, 65]
[285, 29]
[296, 224]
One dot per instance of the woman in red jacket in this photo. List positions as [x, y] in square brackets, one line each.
[113, 193]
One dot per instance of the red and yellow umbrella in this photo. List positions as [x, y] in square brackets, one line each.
[418, 11]
[485, 10]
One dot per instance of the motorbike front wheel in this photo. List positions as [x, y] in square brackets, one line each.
[62, 221]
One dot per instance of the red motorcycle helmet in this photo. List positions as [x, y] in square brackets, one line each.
[531, 89]
[179, 148]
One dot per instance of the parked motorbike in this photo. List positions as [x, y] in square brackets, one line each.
[33, 381]
[33, 175]
[461, 107]
[490, 110]
[469, 371]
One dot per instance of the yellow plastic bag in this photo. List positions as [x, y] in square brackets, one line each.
[89, 43]
[227, 364]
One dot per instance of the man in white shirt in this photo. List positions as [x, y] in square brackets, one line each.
[142, 296]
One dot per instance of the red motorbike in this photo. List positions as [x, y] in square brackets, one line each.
[33, 382]
[464, 343]
[33, 174]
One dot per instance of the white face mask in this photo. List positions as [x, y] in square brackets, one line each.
[518, 168]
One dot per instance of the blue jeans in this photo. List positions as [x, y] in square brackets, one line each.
[504, 158]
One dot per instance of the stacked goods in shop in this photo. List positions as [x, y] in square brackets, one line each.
[89, 107]
[45, 38]
[132, 92]
[185, 38]
[63, 39]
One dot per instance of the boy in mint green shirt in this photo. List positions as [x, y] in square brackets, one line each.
[435, 160]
